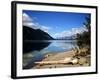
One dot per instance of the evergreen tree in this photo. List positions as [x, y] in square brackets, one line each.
[83, 39]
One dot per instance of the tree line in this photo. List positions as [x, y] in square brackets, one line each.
[84, 39]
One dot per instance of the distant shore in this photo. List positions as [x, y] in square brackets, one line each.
[72, 60]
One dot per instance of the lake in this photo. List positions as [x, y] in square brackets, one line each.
[53, 47]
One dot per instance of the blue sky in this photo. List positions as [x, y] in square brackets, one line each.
[57, 24]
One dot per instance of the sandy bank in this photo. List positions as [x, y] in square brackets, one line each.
[61, 56]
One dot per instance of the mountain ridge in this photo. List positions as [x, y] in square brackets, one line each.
[29, 35]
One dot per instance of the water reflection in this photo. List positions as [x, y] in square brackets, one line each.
[29, 45]
[41, 48]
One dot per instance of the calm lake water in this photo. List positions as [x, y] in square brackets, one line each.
[54, 47]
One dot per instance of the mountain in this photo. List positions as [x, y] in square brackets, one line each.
[72, 37]
[35, 34]
[30, 35]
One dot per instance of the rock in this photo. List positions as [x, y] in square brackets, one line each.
[82, 61]
[74, 61]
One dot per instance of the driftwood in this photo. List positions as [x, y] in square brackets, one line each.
[81, 52]
[65, 61]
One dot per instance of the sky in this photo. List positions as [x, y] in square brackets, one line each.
[57, 24]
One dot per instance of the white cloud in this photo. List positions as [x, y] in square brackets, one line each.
[30, 22]
[45, 28]
[27, 21]
[26, 18]
[73, 31]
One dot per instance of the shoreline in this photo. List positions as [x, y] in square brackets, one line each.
[56, 60]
